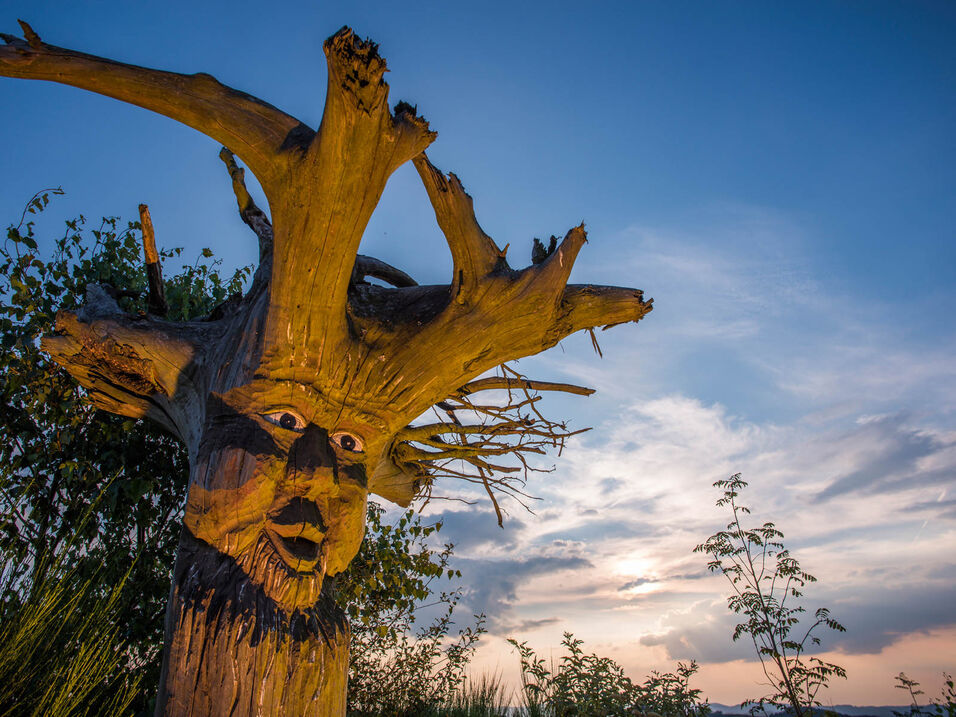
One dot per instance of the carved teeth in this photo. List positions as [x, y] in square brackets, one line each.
[324, 558]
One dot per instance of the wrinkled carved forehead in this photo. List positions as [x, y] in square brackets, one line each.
[327, 409]
[348, 378]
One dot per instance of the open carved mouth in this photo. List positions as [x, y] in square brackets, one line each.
[297, 531]
[301, 548]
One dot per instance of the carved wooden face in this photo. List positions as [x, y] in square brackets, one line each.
[280, 485]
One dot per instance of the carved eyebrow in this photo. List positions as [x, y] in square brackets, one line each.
[355, 472]
[365, 422]
[262, 388]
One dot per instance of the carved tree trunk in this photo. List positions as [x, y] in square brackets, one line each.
[230, 651]
[295, 402]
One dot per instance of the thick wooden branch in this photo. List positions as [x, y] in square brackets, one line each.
[510, 383]
[134, 366]
[257, 220]
[253, 129]
[370, 266]
[498, 314]
[318, 229]
[587, 306]
[473, 252]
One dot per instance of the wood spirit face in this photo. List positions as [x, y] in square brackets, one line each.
[279, 485]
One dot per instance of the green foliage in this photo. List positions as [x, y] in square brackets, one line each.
[591, 686]
[765, 580]
[944, 706]
[582, 684]
[59, 454]
[669, 693]
[912, 688]
[398, 668]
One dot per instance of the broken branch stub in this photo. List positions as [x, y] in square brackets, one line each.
[156, 297]
[303, 396]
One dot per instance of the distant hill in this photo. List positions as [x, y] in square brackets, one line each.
[847, 710]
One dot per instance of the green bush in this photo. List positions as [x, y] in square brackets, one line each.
[398, 667]
[944, 706]
[590, 686]
[59, 455]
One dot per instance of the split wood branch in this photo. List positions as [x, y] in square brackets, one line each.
[322, 187]
[258, 221]
[587, 306]
[360, 143]
[494, 314]
[134, 366]
[474, 253]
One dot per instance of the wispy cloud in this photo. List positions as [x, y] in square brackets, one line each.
[841, 421]
[492, 587]
[887, 454]
[476, 527]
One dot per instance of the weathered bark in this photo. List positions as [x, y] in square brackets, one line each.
[296, 402]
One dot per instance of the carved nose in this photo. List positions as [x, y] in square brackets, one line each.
[311, 451]
[299, 511]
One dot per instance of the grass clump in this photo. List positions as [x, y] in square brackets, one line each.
[61, 649]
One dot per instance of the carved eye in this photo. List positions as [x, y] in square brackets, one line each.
[289, 420]
[348, 442]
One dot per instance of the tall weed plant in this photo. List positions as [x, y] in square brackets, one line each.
[767, 583]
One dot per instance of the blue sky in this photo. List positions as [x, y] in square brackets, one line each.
[780, 178]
